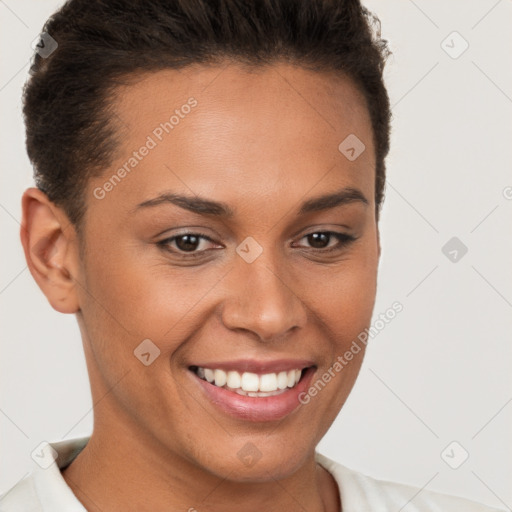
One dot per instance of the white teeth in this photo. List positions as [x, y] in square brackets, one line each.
[251, 384]
[250, 381]
[268, 382]
[220, 378]
[282, 380]
[258, 393]
[234, 380]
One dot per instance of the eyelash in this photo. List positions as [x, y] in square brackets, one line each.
[343, 240]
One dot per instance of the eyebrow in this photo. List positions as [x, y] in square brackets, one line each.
[204, 206]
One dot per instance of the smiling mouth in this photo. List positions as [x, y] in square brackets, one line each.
[251, 384]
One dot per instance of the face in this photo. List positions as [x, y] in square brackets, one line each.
[259, 280]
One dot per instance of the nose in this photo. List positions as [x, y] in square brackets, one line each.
[261, 299]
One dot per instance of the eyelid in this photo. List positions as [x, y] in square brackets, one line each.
[343, 240]
[172, 238]
[184, 255]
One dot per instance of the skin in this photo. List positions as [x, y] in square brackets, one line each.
[262, 142]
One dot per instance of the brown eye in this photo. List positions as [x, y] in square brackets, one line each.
[186, 244]
[320, 240]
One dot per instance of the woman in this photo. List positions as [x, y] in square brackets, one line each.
[209, 179]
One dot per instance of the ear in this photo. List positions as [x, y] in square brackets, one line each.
[50, 244]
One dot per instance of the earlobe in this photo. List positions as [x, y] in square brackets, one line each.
[48, 238]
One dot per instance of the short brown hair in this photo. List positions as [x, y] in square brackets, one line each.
[70, 126]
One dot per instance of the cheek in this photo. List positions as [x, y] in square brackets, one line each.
[344, 306]
[344, 294]
[144, 295]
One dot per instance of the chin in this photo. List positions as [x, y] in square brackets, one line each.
[245, 462]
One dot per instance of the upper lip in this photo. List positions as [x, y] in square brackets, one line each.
[254, 366]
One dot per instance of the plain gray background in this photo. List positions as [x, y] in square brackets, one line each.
[440, 371]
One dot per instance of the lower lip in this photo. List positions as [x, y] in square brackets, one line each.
[250, 408]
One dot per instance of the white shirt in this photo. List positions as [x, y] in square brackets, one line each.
[45, 490]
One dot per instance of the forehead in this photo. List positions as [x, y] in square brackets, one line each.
[233, 132]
